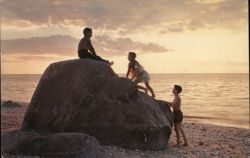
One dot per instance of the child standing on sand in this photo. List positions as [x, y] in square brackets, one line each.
[85, 48]
[178, 116]
[138, 73]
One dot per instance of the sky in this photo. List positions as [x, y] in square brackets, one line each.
[169, 36]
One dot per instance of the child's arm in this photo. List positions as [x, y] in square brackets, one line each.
[128, 72]
[134, 75]
[91, 48]
[129, 69]
[172, 103]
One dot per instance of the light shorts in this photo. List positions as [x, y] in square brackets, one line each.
[143, 77]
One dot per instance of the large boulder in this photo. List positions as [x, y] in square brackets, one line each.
[86, 96]
[74, 145]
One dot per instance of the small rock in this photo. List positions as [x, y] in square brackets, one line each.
[201, 143]
[232, 147]
[10, 104]
[110, 154]
[57, 145]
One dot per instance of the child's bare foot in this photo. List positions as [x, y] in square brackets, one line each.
[153, 96]
[111, 63]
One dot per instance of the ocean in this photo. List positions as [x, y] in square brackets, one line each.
[218, 99]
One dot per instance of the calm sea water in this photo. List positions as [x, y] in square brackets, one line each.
[219, 99]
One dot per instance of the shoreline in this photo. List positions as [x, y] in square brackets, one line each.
[204, 140]
[187, 119]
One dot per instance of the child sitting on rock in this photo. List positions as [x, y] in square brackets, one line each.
[138, 73]
[178, 116]
[85, 48]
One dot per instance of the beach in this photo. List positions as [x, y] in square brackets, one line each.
[204, 140]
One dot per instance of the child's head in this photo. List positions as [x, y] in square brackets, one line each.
[131, 56]
[87, 32]
[177, 89]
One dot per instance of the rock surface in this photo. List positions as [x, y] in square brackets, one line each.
[86, 96]
[74, 145]
[166, 108]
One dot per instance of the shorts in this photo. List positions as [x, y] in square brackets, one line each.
[143, 77]
[178, 116]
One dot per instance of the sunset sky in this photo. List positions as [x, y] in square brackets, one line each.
[169, 36]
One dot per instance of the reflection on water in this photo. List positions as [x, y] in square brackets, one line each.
[221, 99]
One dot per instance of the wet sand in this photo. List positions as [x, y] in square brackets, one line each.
[204, 140]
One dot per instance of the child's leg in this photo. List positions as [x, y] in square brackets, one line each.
[150, 89]
[176, 128]
[183, 135]
[143, 88]
[91, 56]
[98, 58]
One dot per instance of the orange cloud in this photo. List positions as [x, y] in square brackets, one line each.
[62, 45]
[128, 16]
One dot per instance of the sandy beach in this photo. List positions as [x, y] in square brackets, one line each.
[204, 140]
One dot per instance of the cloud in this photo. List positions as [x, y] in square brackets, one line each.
[175, 27]
[121, 46]
[211, 14]
[17, 58]
[53, 45]
[44, 48]
[127, 16]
